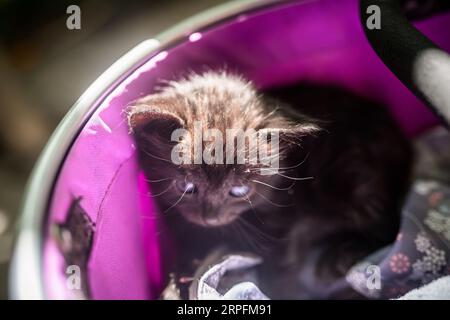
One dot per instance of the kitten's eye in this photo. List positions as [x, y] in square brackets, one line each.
[186, 187]
[239, 191]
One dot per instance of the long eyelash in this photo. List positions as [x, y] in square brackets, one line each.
[273, 187]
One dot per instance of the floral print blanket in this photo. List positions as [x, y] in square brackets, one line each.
[415, 266]
[421, 252]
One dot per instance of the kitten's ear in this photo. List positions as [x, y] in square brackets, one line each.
[294, 135]
[152, 120]
[298, 131]
[293, 128]
[291, 124]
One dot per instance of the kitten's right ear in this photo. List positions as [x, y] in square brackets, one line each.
[149, 119]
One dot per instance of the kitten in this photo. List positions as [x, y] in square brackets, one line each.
[343, 169]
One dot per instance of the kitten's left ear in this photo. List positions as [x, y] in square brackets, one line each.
[153, 118]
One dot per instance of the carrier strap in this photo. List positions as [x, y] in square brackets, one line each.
[413, 58]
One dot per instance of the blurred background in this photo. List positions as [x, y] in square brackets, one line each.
[44, 68]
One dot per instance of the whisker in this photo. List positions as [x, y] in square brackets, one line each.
[257, 238]
[270, 201]
[161, 193]
[294, 178]
[266, 235]
[251, 241]
[273, 187]
[249, 201]
[286, 169]
[258, 231]
[156, 157]
[178, 201]
[158, 180]
[253, 208]
[297, 165]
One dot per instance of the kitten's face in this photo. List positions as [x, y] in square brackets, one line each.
[209, 195]
[212, 197]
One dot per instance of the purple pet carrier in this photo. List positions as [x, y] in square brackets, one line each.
[89, 168]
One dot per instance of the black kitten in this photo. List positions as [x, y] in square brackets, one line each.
[341, 171]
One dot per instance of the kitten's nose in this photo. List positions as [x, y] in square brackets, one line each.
[210, 216]
[213, 221]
